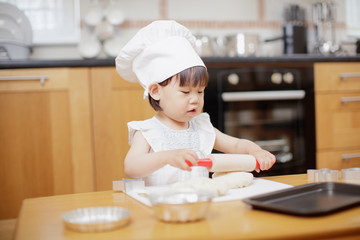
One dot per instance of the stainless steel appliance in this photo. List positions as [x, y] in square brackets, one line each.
[272, 106]
[294, 30]
[324, 19]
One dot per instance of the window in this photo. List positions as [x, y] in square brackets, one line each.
[52, 21]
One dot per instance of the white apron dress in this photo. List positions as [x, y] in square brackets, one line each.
[199, 137]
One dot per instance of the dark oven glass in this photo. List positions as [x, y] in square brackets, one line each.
[273, 107]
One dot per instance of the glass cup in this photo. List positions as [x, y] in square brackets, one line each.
[322, 175]
[351, 175]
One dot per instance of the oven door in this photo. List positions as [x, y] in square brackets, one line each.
[273, 120]
[279, 117]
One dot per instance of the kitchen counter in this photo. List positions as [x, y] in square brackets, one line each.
[40, 218]
[212, 61]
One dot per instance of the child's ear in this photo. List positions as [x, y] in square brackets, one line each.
[154, 91]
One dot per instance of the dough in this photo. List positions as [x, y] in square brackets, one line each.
[234, 179]
[218, 185]
[200, 184]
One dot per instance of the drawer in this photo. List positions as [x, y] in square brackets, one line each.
[337, 120]
[338, 159]
[337, 76]
[38, 79]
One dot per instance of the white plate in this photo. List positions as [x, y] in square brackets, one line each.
[19, 18]
[9, 25]
[93, 15]
[6, 34]
[89, 48]
[114, 14]
[112, 47]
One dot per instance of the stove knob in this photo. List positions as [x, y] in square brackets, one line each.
[233, 79]
[276, 78]
[288, 77]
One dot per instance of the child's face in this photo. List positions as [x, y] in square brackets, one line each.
[181, 103]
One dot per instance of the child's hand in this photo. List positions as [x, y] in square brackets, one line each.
[177, 158]
[266, 159]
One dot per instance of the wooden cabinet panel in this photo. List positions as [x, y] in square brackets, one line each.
[31, 79]
[328, 76]
[115, 102]
[45, 136]
[337, 113]
[335, 160]
[338, 123]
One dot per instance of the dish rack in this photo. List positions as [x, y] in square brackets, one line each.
[15, 33]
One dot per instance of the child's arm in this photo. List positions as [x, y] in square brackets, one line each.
[229, 144]
[139, 162]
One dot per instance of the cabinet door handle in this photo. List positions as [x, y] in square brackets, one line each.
[344, 76]
[345, 100]
[346, 157]
[21, 78]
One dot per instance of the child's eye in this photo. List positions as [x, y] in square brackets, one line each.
[185, 92]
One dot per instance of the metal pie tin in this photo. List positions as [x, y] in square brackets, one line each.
[96, 219]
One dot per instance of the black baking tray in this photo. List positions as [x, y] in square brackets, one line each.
[310, 199]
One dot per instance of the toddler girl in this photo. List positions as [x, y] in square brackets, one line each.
[162, 59]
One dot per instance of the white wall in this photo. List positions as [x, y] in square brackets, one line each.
[211, 17]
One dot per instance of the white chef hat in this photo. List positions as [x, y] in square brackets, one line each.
[158, 51]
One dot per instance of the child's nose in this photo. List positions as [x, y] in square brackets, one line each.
[194, 98]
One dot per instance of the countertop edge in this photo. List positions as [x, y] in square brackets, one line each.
[294, 58]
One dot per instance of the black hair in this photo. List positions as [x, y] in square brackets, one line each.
[193, 76]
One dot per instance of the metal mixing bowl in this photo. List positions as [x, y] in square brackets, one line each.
[180, 206]
[96, 219]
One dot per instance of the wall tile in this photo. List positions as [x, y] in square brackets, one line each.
[133, 10]
[229, 10]
[140, 9]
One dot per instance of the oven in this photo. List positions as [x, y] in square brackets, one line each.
[270, 105]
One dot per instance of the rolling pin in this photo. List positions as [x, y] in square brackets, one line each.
[219, 162]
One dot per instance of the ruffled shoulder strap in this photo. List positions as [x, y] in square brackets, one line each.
[137, 126]
[206, 133]
[149, 130]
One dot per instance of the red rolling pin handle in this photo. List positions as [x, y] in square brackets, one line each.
[204, 162]
[207, 162]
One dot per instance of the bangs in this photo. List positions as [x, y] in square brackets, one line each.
[194, 76]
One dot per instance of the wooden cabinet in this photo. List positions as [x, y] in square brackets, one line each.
[337, 105]
[114, 103]
[63, 130]
[45, 135]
